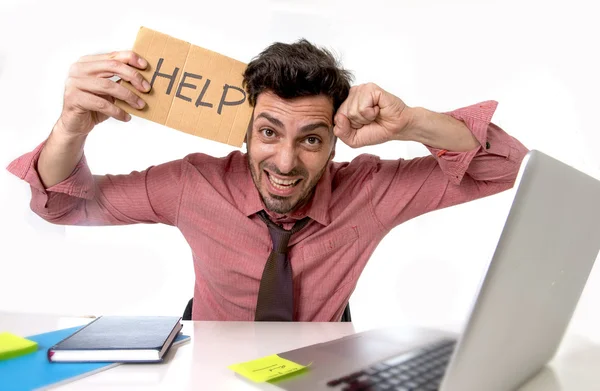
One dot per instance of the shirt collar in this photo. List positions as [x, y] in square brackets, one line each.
[317, 208]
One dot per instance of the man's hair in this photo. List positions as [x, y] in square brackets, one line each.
[295, 70]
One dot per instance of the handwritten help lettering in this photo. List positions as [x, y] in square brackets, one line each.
[199, 100]
[194, 90]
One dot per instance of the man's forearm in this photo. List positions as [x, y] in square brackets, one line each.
[60, 156]
[438, 131]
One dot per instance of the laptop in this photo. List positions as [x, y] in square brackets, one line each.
[540, 266]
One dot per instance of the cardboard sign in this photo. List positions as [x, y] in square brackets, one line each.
[194, 90]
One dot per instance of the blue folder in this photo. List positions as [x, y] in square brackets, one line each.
[34, 371]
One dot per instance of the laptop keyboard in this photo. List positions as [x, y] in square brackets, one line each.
[418, 370]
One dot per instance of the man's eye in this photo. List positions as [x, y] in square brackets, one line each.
[313, 140]
[268, 132]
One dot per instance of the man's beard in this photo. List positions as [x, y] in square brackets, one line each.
[279, 204]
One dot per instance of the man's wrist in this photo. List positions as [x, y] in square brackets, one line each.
[412, 131]
[62, 137]
[438, 130]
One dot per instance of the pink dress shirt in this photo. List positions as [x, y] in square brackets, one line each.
[213, 202]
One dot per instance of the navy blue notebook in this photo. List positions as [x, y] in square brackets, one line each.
[119, 339]
[34, 371]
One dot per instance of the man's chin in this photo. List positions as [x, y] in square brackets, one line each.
[278, 204]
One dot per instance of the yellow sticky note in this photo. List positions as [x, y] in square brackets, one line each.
[13, 346]
[266, 368]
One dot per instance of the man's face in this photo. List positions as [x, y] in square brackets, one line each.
[289, 146]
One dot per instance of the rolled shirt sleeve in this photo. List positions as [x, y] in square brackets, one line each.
[403, 189]
[495, 146]
[149, 196]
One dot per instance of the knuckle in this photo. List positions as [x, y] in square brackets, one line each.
[130, 96]
[68, 95]
[120, 113]
[113, 64]
[130, 55]
[353, 116]
[363, 111]
[106, 84]
[74, 69]
[69, 84]
[102, 105]
[138, 76]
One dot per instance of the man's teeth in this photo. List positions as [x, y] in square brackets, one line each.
[282, 183]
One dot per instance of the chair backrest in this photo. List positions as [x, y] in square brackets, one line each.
[187, 313]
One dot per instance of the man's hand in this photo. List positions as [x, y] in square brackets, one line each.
[89, 99]
[90, 94]
[370, 115]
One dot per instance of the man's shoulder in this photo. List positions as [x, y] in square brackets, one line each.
[362, 163]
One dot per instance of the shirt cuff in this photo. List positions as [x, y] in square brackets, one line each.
[477, 118]
[79, 184]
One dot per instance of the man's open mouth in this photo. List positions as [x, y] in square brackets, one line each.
[282, 184]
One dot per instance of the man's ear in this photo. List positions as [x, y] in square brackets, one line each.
[249, 129]
[332, 154]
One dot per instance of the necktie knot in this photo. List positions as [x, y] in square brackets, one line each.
[280, 236]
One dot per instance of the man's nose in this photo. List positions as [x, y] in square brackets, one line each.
[287, 159]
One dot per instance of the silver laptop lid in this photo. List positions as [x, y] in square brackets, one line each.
[543, 258]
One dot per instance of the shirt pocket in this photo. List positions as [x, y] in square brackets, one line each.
[328, 263]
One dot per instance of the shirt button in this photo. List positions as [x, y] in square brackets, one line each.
[487, 145]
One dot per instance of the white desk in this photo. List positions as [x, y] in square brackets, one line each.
[202, 362]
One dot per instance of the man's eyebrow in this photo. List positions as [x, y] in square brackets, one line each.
[305, 128]
[316, 125]
[270, 118]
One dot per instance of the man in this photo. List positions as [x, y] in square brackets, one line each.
[233, 210]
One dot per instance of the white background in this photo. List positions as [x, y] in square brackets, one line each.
[539, 59]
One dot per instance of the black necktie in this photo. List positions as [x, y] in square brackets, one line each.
[276, 292]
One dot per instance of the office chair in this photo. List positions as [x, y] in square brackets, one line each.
[187, 313]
